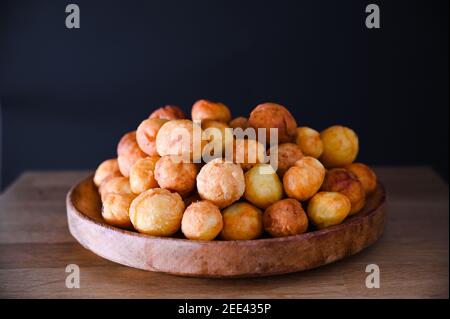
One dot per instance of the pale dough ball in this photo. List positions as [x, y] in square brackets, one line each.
[207, 110]
[202, 221]
[242, 221]
[239, 122]
[340, 146]
[248, 152]
[221, 182]
[309, 141]
[285, 218]
[157, 212]
[107, 169]
[262, 186]
[288, 154]
[304, 179]
[326, 209]
[115, 209]
[128, 152]
[168, 112]
[146, 135]
[142, 174]
[365, 175]
[174, 175]
[116, 185]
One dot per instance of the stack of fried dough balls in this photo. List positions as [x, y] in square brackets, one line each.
[163, 183]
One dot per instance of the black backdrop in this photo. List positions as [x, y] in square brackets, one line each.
[68, 95]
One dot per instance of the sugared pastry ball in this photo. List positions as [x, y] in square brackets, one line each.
[326, 209]
[285, 218]
[168, 112]
[180, 137]
[309, 141]
[262, 186]
[271, 115]
[207, 110]
[304, 179]
[219, 135]
[248, 153]
[242, 221]
[142, 175]
[288, 154]
[146, 135]
[128, 152]
[340, 146]
[239, 122]
[202, 221]
[107, 169]
[365, 175]
[221, 182]
[115, 209]
[157, 212]
[173, 174]
[345, 182]
[116, 185]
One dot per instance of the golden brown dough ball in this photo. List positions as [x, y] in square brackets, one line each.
[285, 218]
[202, 221]
[219, 135]
[304, 179]
[340, 146]
[288, 154]
[157, 212]
[365, 175]
[128, 152]
[107, 169]
[168, 112]
[239, 122]
[180, 137]
[142, 175]
[242, 221]
[115, 209]
[116, 185]
[248, 153]
[262, 186]
[146, 135]
[309, 141]
[326, 209]
[345, 182]
[221, 182]
[271, 115]
[207, 110]
[174, 175]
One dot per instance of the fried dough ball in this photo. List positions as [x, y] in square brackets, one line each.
[128, 152]
[262, 186]
[207, 110]
[146, 135]
[242, 221]
[365, 175]
[284, 218]
[221, 182]
[157, 212]
[239, 122]
[218, 139]
[175, 175]
[340, 146]
[345, 182]
[116, 185]
[180, 137]
[115, 209]
[168, 112]
[248, 152]
[142, 175]
[309, 141]
[326, 209]
[202, 221]
[271, 115]
[288, 154]
[106, 170]
[304, 179]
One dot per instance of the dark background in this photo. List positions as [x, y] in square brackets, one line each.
[69, 95]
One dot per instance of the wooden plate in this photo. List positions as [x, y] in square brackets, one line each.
[261, 257]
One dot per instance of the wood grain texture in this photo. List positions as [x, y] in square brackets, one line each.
[36, 246]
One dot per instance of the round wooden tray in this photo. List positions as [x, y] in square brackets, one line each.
[249, 258]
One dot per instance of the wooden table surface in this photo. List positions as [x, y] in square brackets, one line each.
[412, 255]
